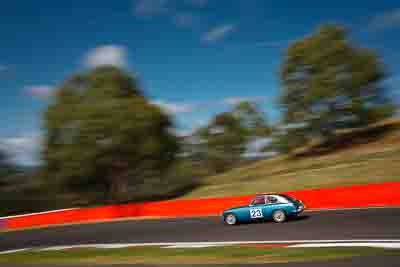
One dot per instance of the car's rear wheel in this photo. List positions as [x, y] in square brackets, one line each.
[230, 219]
[279, 216]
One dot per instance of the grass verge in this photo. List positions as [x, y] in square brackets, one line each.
[373, 164]
[157, 255]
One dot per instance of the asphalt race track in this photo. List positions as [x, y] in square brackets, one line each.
[380, 223]
[372, 261]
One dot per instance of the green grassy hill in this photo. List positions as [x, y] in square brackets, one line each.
[361, 156]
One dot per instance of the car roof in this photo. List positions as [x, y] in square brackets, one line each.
[269, 194]
[272, 194]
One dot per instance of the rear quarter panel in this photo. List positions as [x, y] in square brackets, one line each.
[289, 209]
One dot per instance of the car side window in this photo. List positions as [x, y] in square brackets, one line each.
[281, 200]
[271, 200]
[258, 201]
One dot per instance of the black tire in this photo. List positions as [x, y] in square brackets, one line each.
[279, 216]
[230, 219]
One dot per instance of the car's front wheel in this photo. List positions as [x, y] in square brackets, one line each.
[230, 219]
[279, 216]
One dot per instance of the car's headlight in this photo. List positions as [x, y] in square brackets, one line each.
[300, 208]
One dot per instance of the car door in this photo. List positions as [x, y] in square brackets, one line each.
[271, 204]
[274, 202]
[256, 208]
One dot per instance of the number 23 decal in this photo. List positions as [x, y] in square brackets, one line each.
[256, 213]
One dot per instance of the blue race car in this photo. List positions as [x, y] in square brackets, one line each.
[277, 207]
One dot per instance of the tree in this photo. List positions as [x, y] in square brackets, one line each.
[3, 159]
[225, 140]
[329, 83]
[7, 167]
[3, 166]
[252, 119]
[101, 130]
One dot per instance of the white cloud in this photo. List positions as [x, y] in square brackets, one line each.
[19, 141]
[180, 17]
[218, 33]
[389, 19]
[106, 55]
[23, 150]
[149, 8]
[234, 100]
[257, 144]
[175, 108]
[182, 132]
[39, 91]
[185, 107]
[255, 148]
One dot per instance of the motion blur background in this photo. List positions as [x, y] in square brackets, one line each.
[110, 102]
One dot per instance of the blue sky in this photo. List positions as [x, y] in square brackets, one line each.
[193, 57]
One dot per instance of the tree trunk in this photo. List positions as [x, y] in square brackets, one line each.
[118, 186]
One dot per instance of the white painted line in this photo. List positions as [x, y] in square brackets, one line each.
[100, 246]
[59, 248]
[195, 246]
[330, 245]
[312, 243]
[37, 213]
[13, 251]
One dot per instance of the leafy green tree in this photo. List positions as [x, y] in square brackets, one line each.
[102, 131]
[285, 139]
[329, 83]
[7, 167]
[225, 140]
[252, 119]
[4, 166]
[3, 159]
